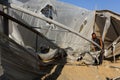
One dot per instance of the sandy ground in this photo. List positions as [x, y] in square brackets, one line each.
[76, 71]
[84, 72]
[90, 72]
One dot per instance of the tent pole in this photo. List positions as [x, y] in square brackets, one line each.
[5, 21]
[113, 52]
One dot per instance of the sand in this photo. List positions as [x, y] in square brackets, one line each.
[73, 72]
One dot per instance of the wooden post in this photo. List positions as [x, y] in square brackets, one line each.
[114, 52]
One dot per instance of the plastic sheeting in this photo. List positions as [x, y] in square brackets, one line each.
[81, 21]
[18, 61]
[21, 62]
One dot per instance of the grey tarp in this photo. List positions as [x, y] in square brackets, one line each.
[18, 58]
[81, 21]
[18, 61]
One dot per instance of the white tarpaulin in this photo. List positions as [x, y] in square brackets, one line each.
[81, 21]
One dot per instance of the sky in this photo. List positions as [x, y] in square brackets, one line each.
[113, 5]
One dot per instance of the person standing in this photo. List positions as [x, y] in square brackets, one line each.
[96, 48]
[98, 41]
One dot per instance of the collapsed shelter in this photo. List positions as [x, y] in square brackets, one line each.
[33, 24]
